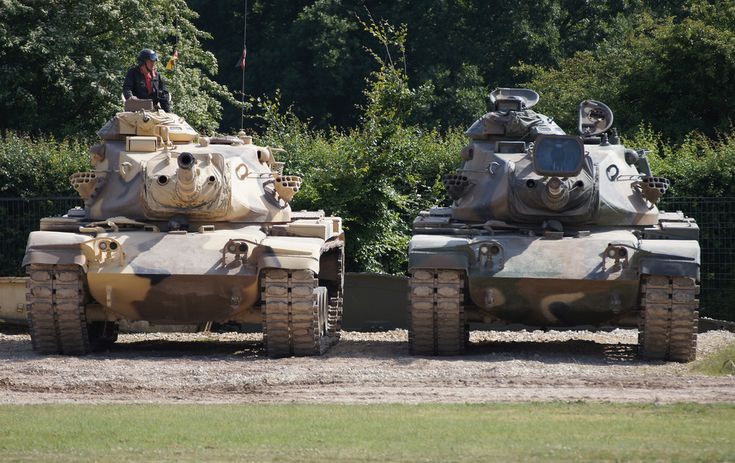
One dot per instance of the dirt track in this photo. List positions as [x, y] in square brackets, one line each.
[363, 368]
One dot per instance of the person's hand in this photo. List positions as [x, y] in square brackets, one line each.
[133, 98]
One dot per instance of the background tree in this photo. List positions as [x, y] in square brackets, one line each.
[64, 62]
[457, 50]
[375, 176]
[676, 74]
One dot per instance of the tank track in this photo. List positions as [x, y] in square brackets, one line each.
[295, 313]
[436, 313]
[336, 301]
[56, 316]
[669, 318]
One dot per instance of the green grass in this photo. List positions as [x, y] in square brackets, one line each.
[720, 363]
[290, 433]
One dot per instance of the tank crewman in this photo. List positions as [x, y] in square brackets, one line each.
[143, 82]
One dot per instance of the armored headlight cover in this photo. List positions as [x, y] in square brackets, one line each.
[558, 155]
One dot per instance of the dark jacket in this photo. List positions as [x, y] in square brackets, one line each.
[134, 85]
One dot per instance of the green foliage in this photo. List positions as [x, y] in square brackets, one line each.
[458, 49]
[376, 176]
[39, 166]
[33, 168]
[669, 72]
[64, 62]
[719, 363]
[699, 166]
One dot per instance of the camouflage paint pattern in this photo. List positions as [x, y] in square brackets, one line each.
[178, 228]
[545, 250]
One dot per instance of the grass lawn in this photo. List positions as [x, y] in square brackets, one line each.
[290, 433]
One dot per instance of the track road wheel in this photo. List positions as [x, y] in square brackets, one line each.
[669, 318]
[295, 313]
[55, 302]
[436, 312]
[102, 334]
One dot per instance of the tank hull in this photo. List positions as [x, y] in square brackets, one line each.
[551, 281]
[177, 299]
[168, 278]
[553, 302]
[175, 278]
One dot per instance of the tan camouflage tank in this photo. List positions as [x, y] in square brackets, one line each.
[183, 229]
[553, 230]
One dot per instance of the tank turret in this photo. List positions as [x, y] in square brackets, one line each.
[548, 229]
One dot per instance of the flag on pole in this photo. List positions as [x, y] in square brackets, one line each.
[172, 62]
[241, 62]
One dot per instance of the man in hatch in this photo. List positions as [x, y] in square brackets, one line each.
[144, 83]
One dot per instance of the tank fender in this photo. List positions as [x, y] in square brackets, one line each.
[438, 251]
[55, 248]
[291, 253]
[289, 262]
[670, 257]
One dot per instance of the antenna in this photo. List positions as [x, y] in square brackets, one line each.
[242, 65]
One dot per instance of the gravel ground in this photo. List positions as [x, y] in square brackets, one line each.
[362, 368]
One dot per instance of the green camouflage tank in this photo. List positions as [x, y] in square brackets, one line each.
[553, 230]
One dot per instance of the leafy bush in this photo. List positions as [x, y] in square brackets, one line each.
[39, 166]
[698, 166]
[376, 176]
[33, 168]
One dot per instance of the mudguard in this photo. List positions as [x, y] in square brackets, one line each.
[670, 257]
[291, 252]
[439, 251]
[55, 248]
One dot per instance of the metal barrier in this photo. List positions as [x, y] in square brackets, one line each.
[715, 217]
[18, 217]
[716, 220]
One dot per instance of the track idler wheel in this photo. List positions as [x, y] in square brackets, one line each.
[295, 313]
[436, 312]
[669, 318]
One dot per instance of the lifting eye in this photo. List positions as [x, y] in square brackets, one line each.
[212, 179]
[162, 180]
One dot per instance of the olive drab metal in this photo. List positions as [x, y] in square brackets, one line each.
[178, 228]
[553, 230]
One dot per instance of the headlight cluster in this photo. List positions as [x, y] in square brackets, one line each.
[237, 249]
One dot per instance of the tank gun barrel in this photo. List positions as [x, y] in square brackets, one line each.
[554, 187]
[185, 174]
